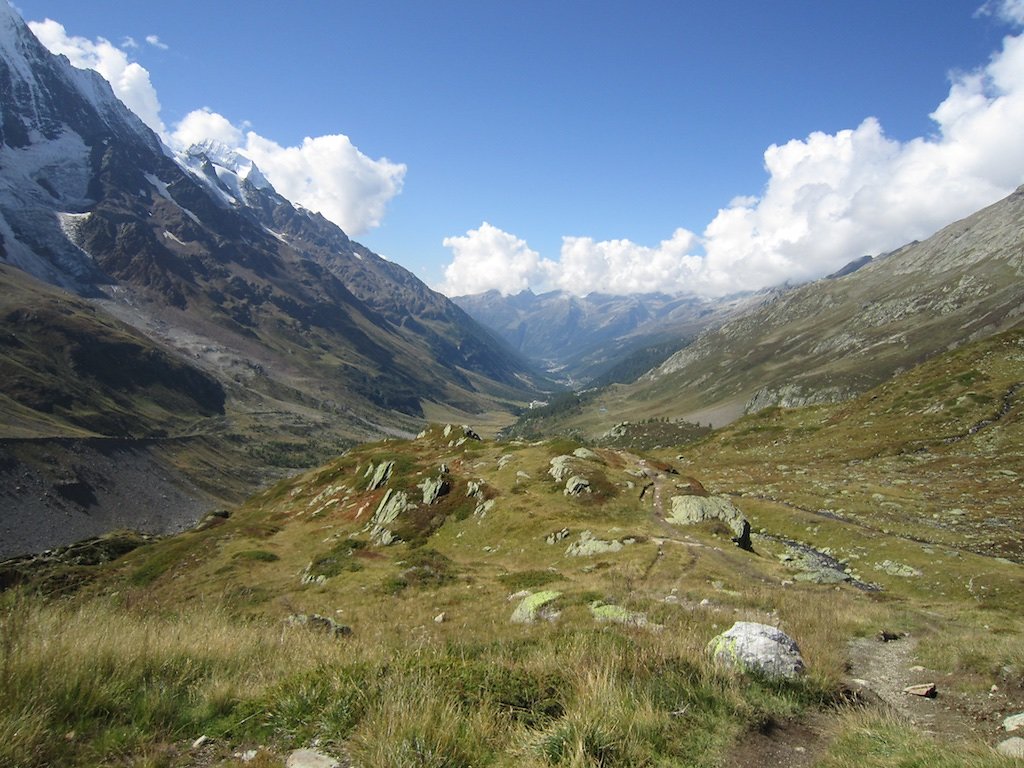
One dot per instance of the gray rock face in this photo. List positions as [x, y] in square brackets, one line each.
[391, 506]
[689, 510]
[380, 474]
[748, 646]
[434, 488]
[561, 468]
[793, 396]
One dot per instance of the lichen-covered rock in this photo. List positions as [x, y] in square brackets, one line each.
[536, 606]
[588, 546]
[617, 614]
[893, 568]
[689, 510]
[576, 485]
[751, 647]
[585, 453]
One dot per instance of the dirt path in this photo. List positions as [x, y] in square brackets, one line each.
[885, 669]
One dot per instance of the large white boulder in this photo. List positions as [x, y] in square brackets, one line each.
[751, 647]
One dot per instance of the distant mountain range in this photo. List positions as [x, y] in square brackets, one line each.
[581, 339]
[202, 297]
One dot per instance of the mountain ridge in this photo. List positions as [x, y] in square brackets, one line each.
[314, 341]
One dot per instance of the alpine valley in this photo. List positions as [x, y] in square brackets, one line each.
[268, 500]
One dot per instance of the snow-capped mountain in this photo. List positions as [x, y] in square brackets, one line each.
[91, 200]
[312, 339]
[228, 173]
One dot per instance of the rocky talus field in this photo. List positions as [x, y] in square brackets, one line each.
[452, 601]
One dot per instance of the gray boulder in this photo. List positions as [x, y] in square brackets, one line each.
[751, 647]
[588, 546]
[690, 510]
[1012, 747]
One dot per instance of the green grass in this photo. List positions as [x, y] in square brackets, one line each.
[188, 635]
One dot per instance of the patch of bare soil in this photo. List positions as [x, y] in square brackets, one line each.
[792, 744]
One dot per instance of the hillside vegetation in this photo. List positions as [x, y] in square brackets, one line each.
[449, 601]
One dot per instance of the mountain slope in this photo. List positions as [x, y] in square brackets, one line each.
[834, 338]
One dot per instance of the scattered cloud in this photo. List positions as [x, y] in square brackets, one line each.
[829, 198]
[129, 42]
[1010, 11]
[488, 258]
[327, 174]
[330, 175]
[201, 124]
[129, 79]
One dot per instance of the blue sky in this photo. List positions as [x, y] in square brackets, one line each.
[509, 127]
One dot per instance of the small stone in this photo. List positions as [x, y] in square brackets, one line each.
[310, 758]
[927, 690]
[201, 741]
[1012, 747]
[249, 755]
[441, 618]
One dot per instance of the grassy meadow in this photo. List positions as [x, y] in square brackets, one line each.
[127, 663]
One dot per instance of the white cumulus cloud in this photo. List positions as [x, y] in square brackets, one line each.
[330, 175]
[488, 258]
[129, 79]
[326, 174]
[201, 124]
[829, 198]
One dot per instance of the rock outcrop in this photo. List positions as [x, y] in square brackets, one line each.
[690, 510]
